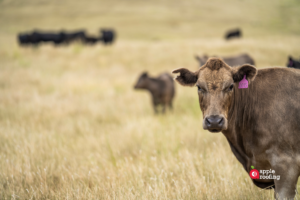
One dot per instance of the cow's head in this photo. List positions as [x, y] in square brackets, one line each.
[290, 62]
[142, 81]
[215, 82]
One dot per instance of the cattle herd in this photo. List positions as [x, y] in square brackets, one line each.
[34, 38]
[260, 121]
[107, 36]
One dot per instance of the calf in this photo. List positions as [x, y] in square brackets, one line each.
[161, 88]
[231, 60]
[293, 63]
[261, 121]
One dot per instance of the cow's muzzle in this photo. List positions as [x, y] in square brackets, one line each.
[214, 123]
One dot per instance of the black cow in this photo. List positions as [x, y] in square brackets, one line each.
[108, 36]
[293, 63]
[24, 39]
[236, 33]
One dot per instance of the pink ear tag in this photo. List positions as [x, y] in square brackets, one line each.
[243, 83]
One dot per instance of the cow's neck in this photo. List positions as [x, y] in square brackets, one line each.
[239, 117]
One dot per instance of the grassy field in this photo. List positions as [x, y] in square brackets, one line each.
[71, 125]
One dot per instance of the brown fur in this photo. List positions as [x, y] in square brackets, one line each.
[262, 122]
[215, 64]
[162, 89]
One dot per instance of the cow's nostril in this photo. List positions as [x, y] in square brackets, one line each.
[220, 121]
[207, 121]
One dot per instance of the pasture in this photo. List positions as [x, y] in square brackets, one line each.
[73, 127]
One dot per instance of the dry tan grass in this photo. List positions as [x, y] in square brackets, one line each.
[72, 127]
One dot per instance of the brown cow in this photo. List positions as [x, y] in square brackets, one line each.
[231, 61]
[162, 89]
[261, 122]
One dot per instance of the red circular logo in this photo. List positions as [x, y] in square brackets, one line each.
[254, 174]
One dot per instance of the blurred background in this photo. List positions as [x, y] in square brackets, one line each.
[73, 127]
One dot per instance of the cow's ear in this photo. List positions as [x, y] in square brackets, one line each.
[186, 77]
[238, 73]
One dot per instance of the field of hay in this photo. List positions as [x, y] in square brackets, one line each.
[71, 125]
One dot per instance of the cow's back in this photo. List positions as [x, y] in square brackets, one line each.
[279, 90]
[239, 60]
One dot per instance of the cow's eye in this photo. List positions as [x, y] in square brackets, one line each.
[199, 88]
[231, 87]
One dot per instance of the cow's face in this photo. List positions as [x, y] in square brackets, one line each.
[215, 82]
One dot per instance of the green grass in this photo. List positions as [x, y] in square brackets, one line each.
[71, 125]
